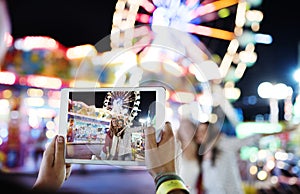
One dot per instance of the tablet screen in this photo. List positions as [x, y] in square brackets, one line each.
[106, 126]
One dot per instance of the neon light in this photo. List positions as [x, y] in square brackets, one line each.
[144, 18]
[44, 82]
[249, 128]
[7, 78]
[192, 3]
[211, 7]
[81, 51]
[37, 42]
[148, 6]
[263, 38]
[212, 32]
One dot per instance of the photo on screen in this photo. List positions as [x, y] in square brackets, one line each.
[108, 126]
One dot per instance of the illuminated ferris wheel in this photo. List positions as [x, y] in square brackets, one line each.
[204, 20]
[123, 104]
[150, 30]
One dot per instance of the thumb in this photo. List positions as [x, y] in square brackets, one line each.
[59, 151]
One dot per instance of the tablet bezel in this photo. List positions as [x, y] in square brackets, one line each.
[63, 118]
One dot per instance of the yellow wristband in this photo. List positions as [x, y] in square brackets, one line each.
[171, 185]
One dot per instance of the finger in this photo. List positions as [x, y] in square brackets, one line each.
[49, 152]
[167, 134]
[68, 171]
[59, 151]
[150, 140]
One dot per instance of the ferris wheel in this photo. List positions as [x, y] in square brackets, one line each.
[230, 23]
[186, 36]
[123, 105]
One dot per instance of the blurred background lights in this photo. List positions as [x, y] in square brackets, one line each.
[34, 101]
[213, 118]
[295, 169]
[240, 19]
[280, 164]
[263, 38]
[3, 132]
[50, 134]
[7, 78]
[33, 92]
[262, 154]
[293, 180]
[274, 180]
[81, 51]
[35, 133]
[270, 164]
[277, 91]
[50, 125]
[297, 75]
[36, 42]
[223, 13]
[254, 15]
[33, 121]
[262, 175]
[254, 3]
[246, 38]
[262, 92]
[253, 170]
[44, 82]
[14, 114]
[83, 83]
[7, 93]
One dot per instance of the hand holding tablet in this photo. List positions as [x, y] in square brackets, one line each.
[86, 115]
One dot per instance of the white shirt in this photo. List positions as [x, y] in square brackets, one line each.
[224, 177]
[189, 171]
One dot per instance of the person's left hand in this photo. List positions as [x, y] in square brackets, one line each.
[53, 170]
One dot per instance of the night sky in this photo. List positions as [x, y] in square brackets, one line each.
[79, 22]
[97, 99]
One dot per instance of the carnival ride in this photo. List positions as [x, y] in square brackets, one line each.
[170, 41]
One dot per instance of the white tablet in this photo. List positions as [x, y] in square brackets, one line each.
[106, 125]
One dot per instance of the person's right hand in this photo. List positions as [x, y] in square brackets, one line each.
[160, 157]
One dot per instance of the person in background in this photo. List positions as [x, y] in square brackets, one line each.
[125, 141]
[220, 164]
[70, 132]
[114, 151]
[190, 160]
[105, 152]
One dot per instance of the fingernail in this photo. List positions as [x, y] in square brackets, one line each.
[60, 139]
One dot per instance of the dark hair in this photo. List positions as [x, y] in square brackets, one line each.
[112, 130]
[119, 129]
[212, 135]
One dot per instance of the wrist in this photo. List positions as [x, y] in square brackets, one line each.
[167, 183]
